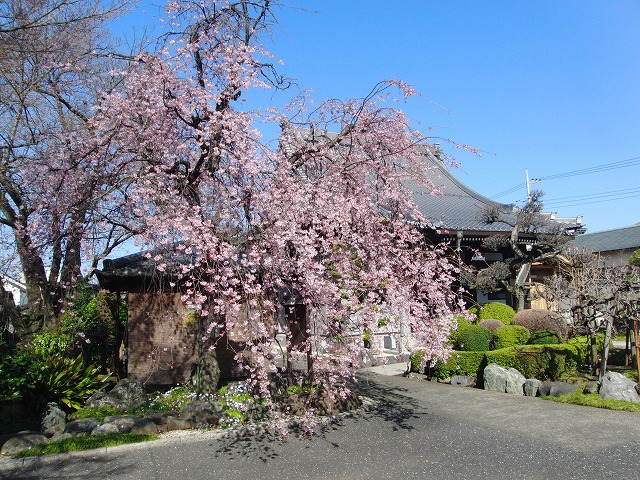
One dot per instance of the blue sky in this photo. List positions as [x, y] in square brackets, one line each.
[550, 86]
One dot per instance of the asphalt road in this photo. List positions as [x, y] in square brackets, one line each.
[413, 430]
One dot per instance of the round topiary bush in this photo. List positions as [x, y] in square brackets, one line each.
[474, 339]
[498, 311]
[544, 337]
[462, 325]
[509, 336]
[491, 324]
[541, 320]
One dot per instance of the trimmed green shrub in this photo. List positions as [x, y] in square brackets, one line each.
[474, 339]
[460, 363]
[454, 336]
[491, 324]
[497, 311]
[509, 336]
[544, 337]
[505, 357]
[534, 361]
[548, 361]
[541, 320]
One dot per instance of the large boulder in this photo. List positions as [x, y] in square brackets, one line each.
[22, 441]
[126, 395]
[53, 421]
[618, 387]
[532, 387]
[506, 380]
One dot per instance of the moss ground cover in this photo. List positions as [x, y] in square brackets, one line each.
[594, 400]
[85, 443]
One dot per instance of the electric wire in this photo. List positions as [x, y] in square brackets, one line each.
[630, 162]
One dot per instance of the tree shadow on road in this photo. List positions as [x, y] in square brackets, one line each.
[389, 403]
[382, 402]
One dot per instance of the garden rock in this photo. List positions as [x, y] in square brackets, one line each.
[500, 379]
[123, 423]
[126, 395]
[618, 387]
[563, 388]
[203, 414]
[531, 387]
[463, 381]
[144, 426]
[105, 428]
[22, 441]
[175, 423]
[160, 418]
[515, 382]
[53, 421]
[81, 427]
[555, 389]
[591, 387]
[60, 436]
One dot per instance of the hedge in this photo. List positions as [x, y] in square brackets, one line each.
[461, 363]
[534, 361]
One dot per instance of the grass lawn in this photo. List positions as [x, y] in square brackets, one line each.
[85, 443]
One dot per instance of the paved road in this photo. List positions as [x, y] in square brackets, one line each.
[414, 430]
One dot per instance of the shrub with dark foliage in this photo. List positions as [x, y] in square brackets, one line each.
[541, 320]
[544, 337]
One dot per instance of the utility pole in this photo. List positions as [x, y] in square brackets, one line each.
[533, 181]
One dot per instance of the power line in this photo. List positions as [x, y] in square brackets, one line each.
[594, 194]
[584, 171]
[601, 200]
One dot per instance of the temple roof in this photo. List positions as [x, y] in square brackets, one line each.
[457, 206]
[610, 240]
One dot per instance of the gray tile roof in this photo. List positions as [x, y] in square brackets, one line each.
[609, 240]
[457, 207]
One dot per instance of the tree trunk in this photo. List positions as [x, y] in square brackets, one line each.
[605, 350]
[38, 292]
[519, 298]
